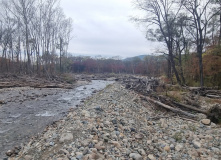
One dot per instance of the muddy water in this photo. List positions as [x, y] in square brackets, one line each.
[28, 111]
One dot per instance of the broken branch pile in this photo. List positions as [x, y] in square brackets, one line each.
[143, 85]
[207, 92]
[147, 88]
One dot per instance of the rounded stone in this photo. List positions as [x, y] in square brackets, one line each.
[206, 121]
[167, 148]
[66, 137]
[136, 156]
[139, 136]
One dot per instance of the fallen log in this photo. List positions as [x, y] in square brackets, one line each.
[169, 107]
[212, 96]
[192, 108]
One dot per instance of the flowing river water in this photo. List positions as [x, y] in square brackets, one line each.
[27, 111]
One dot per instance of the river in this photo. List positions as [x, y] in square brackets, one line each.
[28, 111]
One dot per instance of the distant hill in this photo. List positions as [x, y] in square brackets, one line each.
[141, 57]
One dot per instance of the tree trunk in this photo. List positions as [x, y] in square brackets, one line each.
[220, 28]
[171, 57]
[175, 71]
[181, 68]
[60, 53]
[200, 52]
[169, 69]
[201, 68]
[27, 49]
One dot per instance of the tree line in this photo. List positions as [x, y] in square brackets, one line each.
[150, 65]
[32, 32]
[153, 66]
[183, 26]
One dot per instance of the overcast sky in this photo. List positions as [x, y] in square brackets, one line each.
[102, 27]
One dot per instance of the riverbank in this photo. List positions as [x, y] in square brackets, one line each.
[26, 111]
[116, 124]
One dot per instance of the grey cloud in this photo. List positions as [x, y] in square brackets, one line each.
[103, 27]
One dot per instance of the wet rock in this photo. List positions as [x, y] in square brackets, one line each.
[9, 153]
[2, 102]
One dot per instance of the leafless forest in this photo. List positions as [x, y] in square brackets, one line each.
[35, 35]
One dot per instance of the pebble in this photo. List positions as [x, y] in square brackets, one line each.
[151, 157]
[167, 148]
[138, 136]
[196, 144]
[99, 147]
[178, 147]
[172, 147]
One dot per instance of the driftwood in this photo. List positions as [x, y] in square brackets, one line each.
[168, 107]
[207, 92]
[213, 96]
[142, 85]
[192, 108]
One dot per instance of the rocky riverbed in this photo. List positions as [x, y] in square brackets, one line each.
[26, 111]
[115, 124]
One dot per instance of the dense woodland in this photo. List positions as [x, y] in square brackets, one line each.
[35, 34]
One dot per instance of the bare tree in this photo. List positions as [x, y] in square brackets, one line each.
[201, 14]
[160, 19]
[30, 31]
